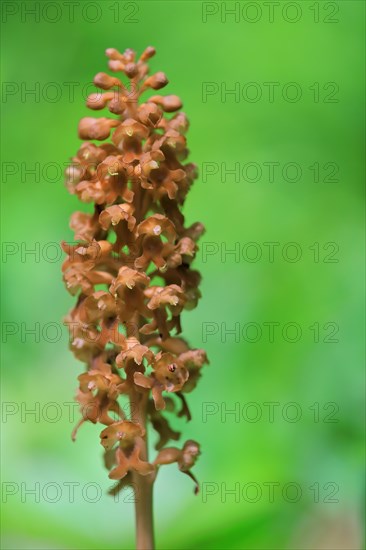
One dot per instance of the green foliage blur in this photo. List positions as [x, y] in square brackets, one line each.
[280, 161]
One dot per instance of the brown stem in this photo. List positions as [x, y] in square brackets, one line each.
[143, 512]
[143, 486]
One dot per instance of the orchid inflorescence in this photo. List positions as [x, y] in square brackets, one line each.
[131, 270]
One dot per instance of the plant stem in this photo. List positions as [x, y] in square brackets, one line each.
[143, 488]
[142, 485]
[144, 512]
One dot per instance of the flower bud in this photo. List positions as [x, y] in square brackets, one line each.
[168, 103]
[156, 81]
[96, 128]
[104, 81]
[148, 53]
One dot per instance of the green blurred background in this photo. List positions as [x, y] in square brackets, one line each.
[311, 450]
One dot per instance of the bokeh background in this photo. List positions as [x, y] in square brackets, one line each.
[310, 451]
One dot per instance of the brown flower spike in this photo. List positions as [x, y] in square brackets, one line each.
[131, 271]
